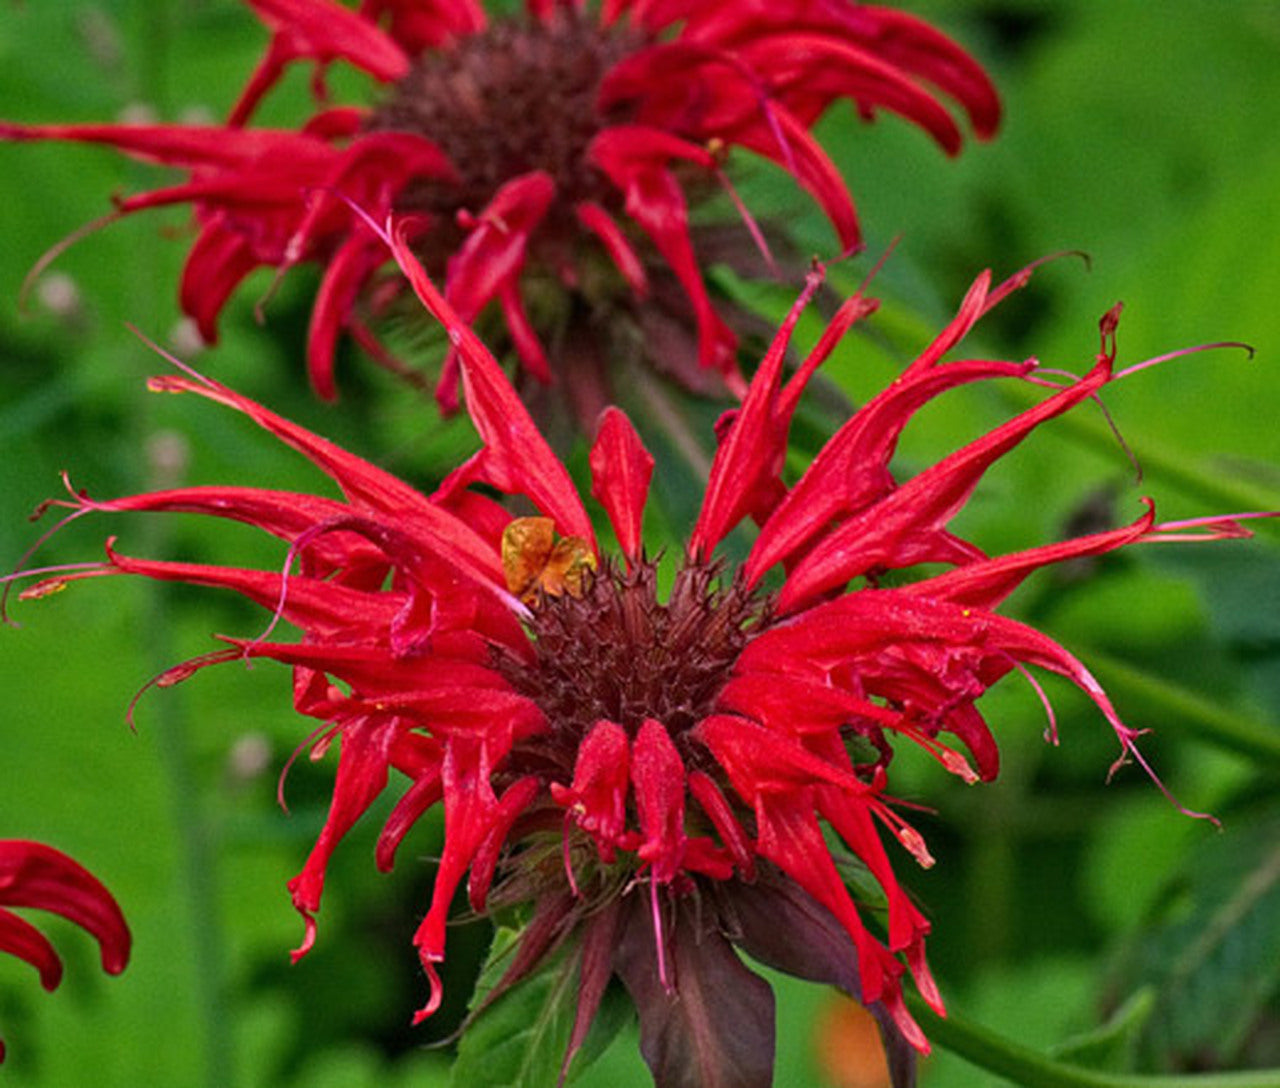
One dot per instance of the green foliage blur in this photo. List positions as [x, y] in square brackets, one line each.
[1068, 912]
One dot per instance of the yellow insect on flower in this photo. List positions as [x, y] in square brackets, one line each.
[535, 562]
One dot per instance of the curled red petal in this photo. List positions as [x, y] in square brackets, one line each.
[36, 876]
[363, 762]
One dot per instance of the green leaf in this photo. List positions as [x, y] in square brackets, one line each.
[1109, 1043]
[520, 1039]
[1211, 955]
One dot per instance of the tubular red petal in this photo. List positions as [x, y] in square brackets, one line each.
[363, 761]
[22, 940]
[418, 25]
[986, 583]
[851, 472]
[634, 159]
[360, 481]
[217, 264]
[470, 810]
[658, 778]
[595, 219]
[713, 802]
[621, 469]
[425, 792]
[494, 253]
[515, 458]
[325, 30]
[801, 155]
[178, 145]
[788, 834]
[346, 273]
[906, 526]
[597, 800]
[913, 44]
[528, 347]
[515, 799]
[745, 475]
[810, 70]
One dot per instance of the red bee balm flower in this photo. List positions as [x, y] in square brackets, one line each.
[648, 773]
[560, 149]
[40, 877]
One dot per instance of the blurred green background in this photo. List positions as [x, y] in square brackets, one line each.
[1065, 909]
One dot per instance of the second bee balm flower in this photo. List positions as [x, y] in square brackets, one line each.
[550, 161]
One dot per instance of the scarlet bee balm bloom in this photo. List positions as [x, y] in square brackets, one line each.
[549, 161]
[649, 775]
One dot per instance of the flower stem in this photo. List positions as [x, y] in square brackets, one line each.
[154, 25]
[982, 1047]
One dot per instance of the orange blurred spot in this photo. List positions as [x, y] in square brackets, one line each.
[847, 1046]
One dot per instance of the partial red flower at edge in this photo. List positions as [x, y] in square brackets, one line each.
[554, 155]
[39, 877]
[649, 778]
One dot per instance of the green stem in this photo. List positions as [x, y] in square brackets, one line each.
[1189, 711]
[982, 1047]
[154, 26]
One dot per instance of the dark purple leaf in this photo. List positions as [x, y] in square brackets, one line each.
[715, 1028]
[777, 922]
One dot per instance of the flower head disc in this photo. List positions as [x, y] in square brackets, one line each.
[657, 774]
[550, 162]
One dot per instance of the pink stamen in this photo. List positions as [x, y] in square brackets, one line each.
[316, 736]
[174, 675]
[1131, 750]
[1019, 279]
[1158, 359]
[169, 357]
[659, 943]
[1216, 527]
[58, 249]
[1036, 379]
[951, 759]
[907, 835]
[749, 220]
[19, 573]
[301, 541]
[1051, 731]
[568, 861]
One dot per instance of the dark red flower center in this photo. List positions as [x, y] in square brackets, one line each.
[618, 653]
[518, 97]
